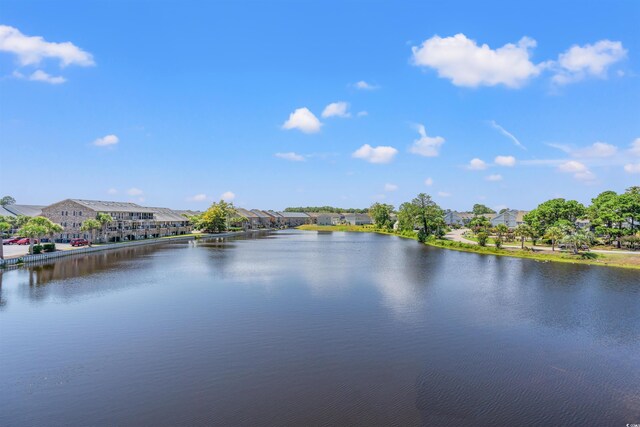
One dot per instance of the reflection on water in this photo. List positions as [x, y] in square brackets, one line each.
[303, 328]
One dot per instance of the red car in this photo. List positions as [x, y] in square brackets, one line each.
[11, 241]
[79, 242]
[25, 241]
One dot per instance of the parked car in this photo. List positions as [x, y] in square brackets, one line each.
[79, 242]
[11, 240]
[26, 241]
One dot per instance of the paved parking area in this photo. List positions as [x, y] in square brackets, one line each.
[12, 251]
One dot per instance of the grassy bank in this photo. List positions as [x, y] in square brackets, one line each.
[609, 260]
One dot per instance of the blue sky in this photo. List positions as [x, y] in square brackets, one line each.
[180, 103]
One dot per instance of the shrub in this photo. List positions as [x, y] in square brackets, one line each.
[498, 242]
[588, 255]
[422, 236]
[482, 238]
[37, 249]
[49, 247]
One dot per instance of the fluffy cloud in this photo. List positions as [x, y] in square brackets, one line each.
[597, 150]
[390, 187]
[466, 63]
[362, 85]
[477, 165]
[428, 182]
[228, 196]
[291, 156]
[106, 141]
[635, 147]
[632, 168]
[336, 109]
[590, 60]
[579, 170]
[135, 192]
[380, 154]
[508, 161]
[303, 120]
[31, 50]
[494, 178]
[198, 198]
[426, 146]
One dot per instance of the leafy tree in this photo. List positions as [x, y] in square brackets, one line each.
[553, 211]
[578, 240]
[479, 209]
[479, 223]
[430, 216]
[37, 227]
[503, 210]
[328, 209]
[554, 233]
[500, 230]
[407, 217]
[4, 227]
[482, 238]
[91, 225]
[381, 215]
[7, 200]
[630, 202]
[216, 218]
[607, 215]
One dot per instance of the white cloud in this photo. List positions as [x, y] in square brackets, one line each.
[197, 198]
[40, 76]
[579, 170]
[106, 141]
[426, 146]
[507, 161]
[32, 50]
[291, 156]
[303, 120]
[632, 168]
[493, 178]
[477, 165]
[362, 113]
[597, 150]
[112, 191]
[362, 85]
[336, 109]
[466, 63]
[635, 147]
[507, 134]
[590, 60]
[444, 194]
[227, 196]
[390, 187]
[380, 154]
[428, 182]
[135, 192]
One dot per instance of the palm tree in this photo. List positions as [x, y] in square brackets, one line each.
[500, 230]
[554, 234]
[578, 239]
[4, 226]
[103, 219]
[91, 225]
[523, 231]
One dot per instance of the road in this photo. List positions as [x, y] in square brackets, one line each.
[458, 236]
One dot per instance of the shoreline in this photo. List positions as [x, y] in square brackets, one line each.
[602, 260]
[14, 262]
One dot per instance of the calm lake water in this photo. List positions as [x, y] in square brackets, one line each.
[304, 328]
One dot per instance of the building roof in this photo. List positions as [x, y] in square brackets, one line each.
[275, 214]
[27, 210]
[260, 213]
[4, 212]
[294, 214]
[166, 215]
[330, 214]
[246, 213]
[105, 206]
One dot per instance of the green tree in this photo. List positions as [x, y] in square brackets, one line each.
[91, 225]
[33, 231]
[524, 231]
[482, 238]
[4, 227]
[430, 216]
[630, 202]
[104, 219]
[381, 215]
[479, 209]
[7, 200]
[554, 212]
[500, 231]
[216, 218]
[578, 240]
[554, 233]
[407, 217]
[479, 223]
